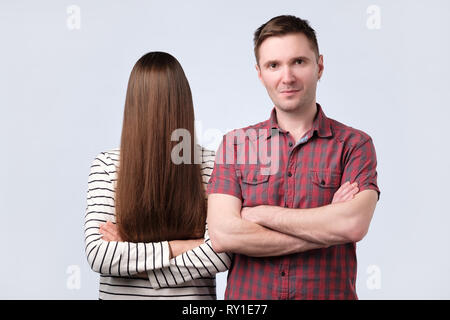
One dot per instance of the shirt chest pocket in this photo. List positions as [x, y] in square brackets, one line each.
[253, 177]
[255, 187]
[325, 179]
[324, 184]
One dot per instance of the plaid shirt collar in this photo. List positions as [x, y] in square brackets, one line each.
[321, 124]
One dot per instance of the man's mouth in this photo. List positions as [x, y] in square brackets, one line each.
[289, 91]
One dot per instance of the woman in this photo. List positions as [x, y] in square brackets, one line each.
[145, 221]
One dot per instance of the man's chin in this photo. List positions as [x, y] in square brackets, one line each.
[288, 107]
[291, 106]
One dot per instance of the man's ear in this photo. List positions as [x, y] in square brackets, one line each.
[321, 67]
[259, 72]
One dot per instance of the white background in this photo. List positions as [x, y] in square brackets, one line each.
[62, 92]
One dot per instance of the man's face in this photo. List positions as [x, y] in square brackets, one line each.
[289, 70]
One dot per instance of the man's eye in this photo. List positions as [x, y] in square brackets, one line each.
[272, 65]
[299, 61]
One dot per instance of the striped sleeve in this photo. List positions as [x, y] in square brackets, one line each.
[200, 262]
[114, 258]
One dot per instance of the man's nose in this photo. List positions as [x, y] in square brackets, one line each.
[288, 75]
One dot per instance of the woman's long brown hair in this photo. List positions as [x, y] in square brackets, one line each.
[156, 199]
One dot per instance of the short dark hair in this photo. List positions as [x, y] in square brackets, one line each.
[283, 25]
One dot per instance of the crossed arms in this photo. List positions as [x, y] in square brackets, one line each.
[172, 262]
[272, 231]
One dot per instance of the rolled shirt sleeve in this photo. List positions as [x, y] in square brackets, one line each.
[360, 166]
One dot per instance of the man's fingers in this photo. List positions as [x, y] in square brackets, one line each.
[350, 195]
[344, 187]
[354, 190]
[349, 188]
[345, 192]
[342, 190]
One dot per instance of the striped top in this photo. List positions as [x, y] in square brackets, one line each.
[187, 276]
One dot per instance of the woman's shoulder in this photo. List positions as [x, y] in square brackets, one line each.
[108, 158]
[207, 157]
[112, 157]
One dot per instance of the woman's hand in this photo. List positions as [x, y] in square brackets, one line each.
[178, 247]
[110, 232]
[345, 192]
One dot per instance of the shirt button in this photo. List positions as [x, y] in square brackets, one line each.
[322, 182]
[283, 273]
[290, 144]
[289, 174]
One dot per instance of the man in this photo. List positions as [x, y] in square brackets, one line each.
[293, 230]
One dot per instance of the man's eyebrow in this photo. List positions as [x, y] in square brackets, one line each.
[269, 62]
[301, 58]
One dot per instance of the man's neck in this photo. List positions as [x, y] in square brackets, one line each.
[297, 123]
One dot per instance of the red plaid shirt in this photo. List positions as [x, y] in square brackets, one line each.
[309, 173]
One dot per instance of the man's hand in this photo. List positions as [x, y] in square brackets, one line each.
[110, 232]
[261, 213]
[345, 192]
